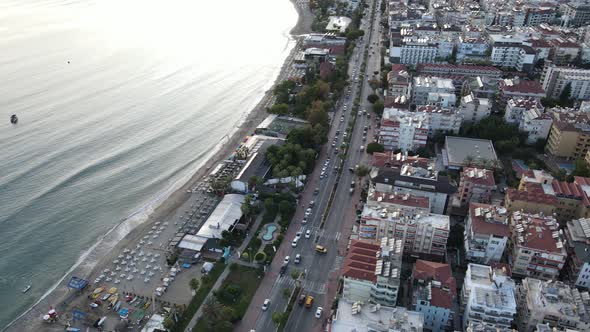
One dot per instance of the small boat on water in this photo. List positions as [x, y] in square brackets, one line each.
[14, 119]
[26, 289]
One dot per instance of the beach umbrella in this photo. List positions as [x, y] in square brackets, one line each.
[142, 272]
[122, 275]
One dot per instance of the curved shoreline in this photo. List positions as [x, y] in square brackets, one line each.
[30, 319]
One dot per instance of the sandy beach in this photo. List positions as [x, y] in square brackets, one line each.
[111, 244]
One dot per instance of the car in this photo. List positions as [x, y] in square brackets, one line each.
[266, 304]
[297, 259]
[311, 203]
[294, 243]
[324, 169]
[93, 305]
[302, 298]
[304, 220]
[308, 301]
[298, 235]
[308, 212]
[336, 151]
[318, 313]
[283, 269]
[323, 174]
[321, 249]
[307, 234]
[333, 144]
[316, 191]
[362, 148]
[286, 260]
[341, 119]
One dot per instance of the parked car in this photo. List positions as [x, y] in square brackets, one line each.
[318, 313]
[307, 234]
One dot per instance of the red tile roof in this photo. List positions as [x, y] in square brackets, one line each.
[492, 226]
[487, 178]
[530, 196]
[361, 260]
[401, 199]
[427, 270]
[441, 298]
[390, 159]
[540, 237]
[532, 87]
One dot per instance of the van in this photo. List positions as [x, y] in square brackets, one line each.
[308, 301]
[321, 249]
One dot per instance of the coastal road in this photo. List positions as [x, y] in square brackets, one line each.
[321, 270]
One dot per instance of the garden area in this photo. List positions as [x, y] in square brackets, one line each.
[231, 300]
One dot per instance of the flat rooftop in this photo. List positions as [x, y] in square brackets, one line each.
[458, 149]
[364, 318]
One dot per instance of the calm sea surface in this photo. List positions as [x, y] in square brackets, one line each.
[118, 101]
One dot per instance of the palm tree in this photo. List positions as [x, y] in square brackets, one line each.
[362, 171]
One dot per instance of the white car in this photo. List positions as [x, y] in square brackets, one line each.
[294, 243]
[318, 313]
[304, 221]
[307, 234]
[286, 261]
[266, 304]
[308, 212]
[298, 235]
[297, 259]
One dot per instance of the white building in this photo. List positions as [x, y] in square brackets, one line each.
[423, 234]
[554, 80]
[403, 130]
[442, 99]
[488, 298]
[536, 124]
[508, 51]
[371, 272]
[515, 107]
[338, 23]
[474, 109]
[537, 246]
[423, 86]
[551, 302]
[486, 233]
[441, 119]
[369, 318]
[413, 50]
[471, 48]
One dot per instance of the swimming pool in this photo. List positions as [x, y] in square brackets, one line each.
[270, 229]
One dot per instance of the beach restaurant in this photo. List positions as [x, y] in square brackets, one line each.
[225, 217]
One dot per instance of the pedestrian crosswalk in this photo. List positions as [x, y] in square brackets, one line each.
[308, 286]
[320, 235]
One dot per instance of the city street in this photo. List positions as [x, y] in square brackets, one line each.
[321, 270]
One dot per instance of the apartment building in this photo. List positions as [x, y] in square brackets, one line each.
[415, 180]
[433, 291]
[388, 159]
[554, 80]
[413, 50]
[553, 303]
[488, 299]
[569, 136]
[563, 50]
[403, 130]
[486, 234]
[539, 15]
[474, 109]
[432, 69]
[423, 86]
[422, 234]
[441, 119]
[471, 48]
[518, 88]
[371, 272]
[577, 267]
[355, 316]
[537, 247]
[511, 52]
[576, 14]
[476, 185]
[536, 125]
[399, 82]
[395, 201]
[530, 201]
[515, 107]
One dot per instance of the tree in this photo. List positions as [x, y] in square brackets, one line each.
[194, 283]
[375, 147]
[372, 98]
[279, 318]
[295, 274]
[280, 109]
[316, 114]
[361, 171]
[168, 323]
[378, 107]
[286, 293]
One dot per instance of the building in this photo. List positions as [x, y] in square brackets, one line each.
[403, 130]
[537, 246]
[555, 79]
[423, 86]
[389, 159]
[255, 165]
[539, 15]
[570, 134]
[536, 125]
[460, 152]
[394, 201]
[563, 50]
[486, 233]
[510, 52]
[399, 82]
[471, 48]
[576, 14]
[336, 45]
[476, 185]
[416, 181]
[577, 267]
[432, 69]
[422, 234]
[371, 272]
[517, 88]
[434, 291]
[413, 50]
[368, 317]
[515, 107]
[474, 109]
[488, 299]
[441, 99]
[530, 201]
[445, 120]
[338, 24]
[550, 302]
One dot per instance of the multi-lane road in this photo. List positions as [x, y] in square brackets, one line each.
[322, 270]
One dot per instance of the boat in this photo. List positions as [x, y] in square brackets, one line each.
[112, 290]
[14, 119]
[117, 306]
[26, 289]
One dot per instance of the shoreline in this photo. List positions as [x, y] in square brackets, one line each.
[30, 319]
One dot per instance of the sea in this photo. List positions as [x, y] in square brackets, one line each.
[119, 103]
